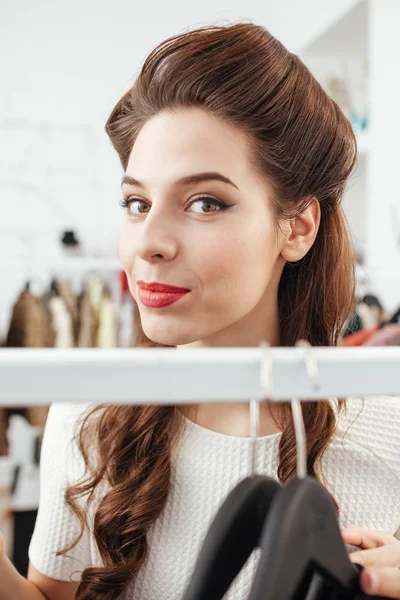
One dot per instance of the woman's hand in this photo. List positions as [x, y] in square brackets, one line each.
[380, 557]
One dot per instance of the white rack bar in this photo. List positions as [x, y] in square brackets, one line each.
[179, 376]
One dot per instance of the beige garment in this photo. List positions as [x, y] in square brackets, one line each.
[107, 325]
[37, 415]
[65, 291]
[62, 323]
[87, 322]
[95, 288]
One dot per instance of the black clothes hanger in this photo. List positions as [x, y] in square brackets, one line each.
[236, 528]
[301, 537]
[231, 538]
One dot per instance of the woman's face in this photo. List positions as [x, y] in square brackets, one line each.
[176, 233]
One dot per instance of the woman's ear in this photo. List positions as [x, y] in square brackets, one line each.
[302, 232]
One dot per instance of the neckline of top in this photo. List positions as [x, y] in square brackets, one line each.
[226, 436]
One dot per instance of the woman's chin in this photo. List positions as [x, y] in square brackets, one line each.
[169, 338]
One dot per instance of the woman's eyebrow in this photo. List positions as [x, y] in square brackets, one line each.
[184, 180]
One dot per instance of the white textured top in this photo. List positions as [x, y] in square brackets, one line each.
[361, 466]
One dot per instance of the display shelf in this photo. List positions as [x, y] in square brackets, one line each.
[77, 263]
[357, 49]
[363, 142]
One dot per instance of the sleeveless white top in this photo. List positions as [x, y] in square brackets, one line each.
[361, 468]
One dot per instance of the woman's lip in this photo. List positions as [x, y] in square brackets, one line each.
[158, 299]
[161, 287]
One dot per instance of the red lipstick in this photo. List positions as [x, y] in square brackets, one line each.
[157, 295]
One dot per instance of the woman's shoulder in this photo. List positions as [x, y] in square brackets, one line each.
[63, 426]
[63, 416]
[371, 414]
[361, 465]
[372, 423]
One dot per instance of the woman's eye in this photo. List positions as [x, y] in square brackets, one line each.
[212, 204]
[136, 206]
[129, 203]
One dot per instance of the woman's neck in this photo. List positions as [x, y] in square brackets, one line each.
[231, 418]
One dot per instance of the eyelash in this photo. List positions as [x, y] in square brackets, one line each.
[126, 202]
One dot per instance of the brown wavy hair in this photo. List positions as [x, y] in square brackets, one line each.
[304, 147]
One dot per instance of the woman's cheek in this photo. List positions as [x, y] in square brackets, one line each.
[221, 258]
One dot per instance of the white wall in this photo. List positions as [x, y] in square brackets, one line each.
[64, 66]
[68, 62]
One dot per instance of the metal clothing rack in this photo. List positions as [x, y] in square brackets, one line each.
[197, 375]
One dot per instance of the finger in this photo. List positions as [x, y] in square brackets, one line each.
[385, 556]
[381, 582]
[366, 538]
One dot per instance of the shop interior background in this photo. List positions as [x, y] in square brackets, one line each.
[64, 67]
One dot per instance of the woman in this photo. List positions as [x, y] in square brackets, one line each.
[235, 163]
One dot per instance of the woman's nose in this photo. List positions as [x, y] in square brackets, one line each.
[157, 238]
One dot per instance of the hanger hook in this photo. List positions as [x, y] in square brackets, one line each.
[266, 386]
[300, 432]
[311, 363]
[266, 370]
[297, 414]
[254, 430]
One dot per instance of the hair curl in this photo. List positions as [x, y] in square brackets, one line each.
[304, 146]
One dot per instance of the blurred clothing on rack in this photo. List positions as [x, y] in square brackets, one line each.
[60, 318]
[95, 287]
[71, 301]
[368, 313]
[386, 336]
[360, 337]
[62, 323]
[89, 311]
[371, 325]
[371, 311]
[30, 325]
[107, 326]
[63, 318]
[87, 321]
[354, 325]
